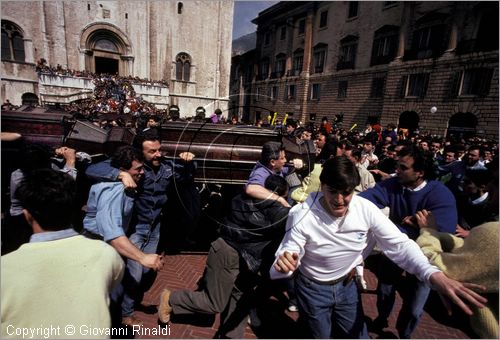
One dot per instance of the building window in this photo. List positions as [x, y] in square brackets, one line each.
[377, 90]
[302, 26]
[428, 39]
[342, 90]
[298, 60]
[249, 73]
[180, 5]
[428, 42]
[315, 91]
[352, 11]
[273, 95]
[347, 54]
[385, 45]
[283, 33]
[319, 57]
[267, 38]
[279, 66]
[476, 82]
[182, 67]
[323, 19]
[487, 34]
[12, 42]
[263, 70]
[415, 85]
[290, 92]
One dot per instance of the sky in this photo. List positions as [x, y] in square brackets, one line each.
[244, 13]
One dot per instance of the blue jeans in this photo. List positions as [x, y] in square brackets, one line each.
[414, 297]
[331, 310]
[146, 238]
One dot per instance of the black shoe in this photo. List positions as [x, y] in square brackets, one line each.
[379, 324]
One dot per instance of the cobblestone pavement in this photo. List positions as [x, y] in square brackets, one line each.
[184, 270]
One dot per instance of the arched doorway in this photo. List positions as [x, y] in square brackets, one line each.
[462, 125]
[107, 49]
[29, 98]
[409, 120]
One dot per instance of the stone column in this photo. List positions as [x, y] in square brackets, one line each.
[403, 30]
[306, 66]
[453, 41]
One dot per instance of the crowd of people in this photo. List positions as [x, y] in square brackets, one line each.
[315, 206]
[309, 223]
[43, 68]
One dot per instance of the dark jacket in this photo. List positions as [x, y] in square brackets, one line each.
[255, 228]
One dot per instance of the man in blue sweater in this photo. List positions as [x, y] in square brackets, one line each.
[413, 190]
[159, 175]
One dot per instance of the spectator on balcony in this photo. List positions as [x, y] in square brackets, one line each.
[7, 105]
[215, 118]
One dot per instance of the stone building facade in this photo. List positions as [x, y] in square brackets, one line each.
[375, 61]
[157, 40]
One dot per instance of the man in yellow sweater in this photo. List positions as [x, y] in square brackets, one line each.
[58, 284]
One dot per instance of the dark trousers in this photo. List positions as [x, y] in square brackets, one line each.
[414, 296]
[15, 232]
[220, 292]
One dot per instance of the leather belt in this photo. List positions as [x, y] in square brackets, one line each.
[344, 279]
[91, 235]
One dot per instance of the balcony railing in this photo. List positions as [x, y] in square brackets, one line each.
[276, 74]
[318, 69]
[344, 65]
[422, 54]
[381, 59]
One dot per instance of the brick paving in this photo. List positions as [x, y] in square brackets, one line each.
[183, 271]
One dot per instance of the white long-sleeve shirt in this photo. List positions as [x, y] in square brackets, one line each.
[330, 247]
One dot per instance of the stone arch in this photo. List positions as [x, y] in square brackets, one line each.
[408, 120]
[29, 98]
[107, 49]
[462, 124]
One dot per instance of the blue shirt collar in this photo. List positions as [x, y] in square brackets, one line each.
[53, 235]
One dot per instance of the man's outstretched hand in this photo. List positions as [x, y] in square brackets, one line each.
[453, 291]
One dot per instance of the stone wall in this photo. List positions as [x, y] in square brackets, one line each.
[148, 35]
[461, 22]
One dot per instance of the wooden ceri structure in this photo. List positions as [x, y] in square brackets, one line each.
[225, 153]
